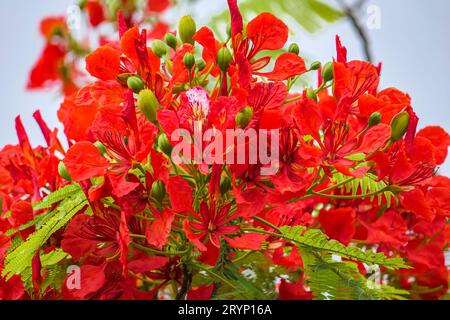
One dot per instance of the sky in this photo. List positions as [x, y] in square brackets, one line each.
[411, 42]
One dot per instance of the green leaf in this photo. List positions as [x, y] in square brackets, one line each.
[366, 185]
[314, 239]
[332, 280]
[57, 196]
[20, 258]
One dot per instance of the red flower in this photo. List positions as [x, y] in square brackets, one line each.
[339, 223]
[84, 161]
[95, 12]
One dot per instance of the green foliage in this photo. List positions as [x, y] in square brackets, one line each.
[311, 15]
[316, 240]
[232, 283]
[57, 196]
[329, 279]
[249, 275]
[20, 258]
[365, 185]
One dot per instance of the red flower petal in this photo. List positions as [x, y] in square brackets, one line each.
[201, 293]
[180, 194]
[339, 223]
[416, 201]
[92, 279]
[236, 18]
[248, 241]
[287, 66]
[267, 32]
[440, 140]
[293, 291]
[158, 232]
[104, 63]
[83, 161]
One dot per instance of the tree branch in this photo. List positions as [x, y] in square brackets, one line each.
[186, 285]
[350, 12]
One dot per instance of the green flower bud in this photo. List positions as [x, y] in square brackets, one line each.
[311, 94]
[164, 144]
[101, 147]
[148, 104]
[244, 116]
[158, 190]
[399, 125]
[187, 29]
[135, 83]
[189, 60]
[315, 65]
[123, 78]
[201, 64]
[293, 48]
[171, 40]
[374, 119]
[224, 59]
[159, 48]
[328, 72]
[63, 171]
[225, 184]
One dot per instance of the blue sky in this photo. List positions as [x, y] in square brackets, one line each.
[412, 43]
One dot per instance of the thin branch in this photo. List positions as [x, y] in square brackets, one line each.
[350, 12]
[186, 285]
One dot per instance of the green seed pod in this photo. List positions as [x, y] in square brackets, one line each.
[187, 29]
[63, 171]
[201, 64]
[315, 65]
[148, 104]
[311, 94]
[189, 60]
[328, 72]
[224, 59]
[244, 116]
[101, 147]
[158, 190]
[135, 83]
[294, 48]
[159, 48]
[164, 144]
[374, 119]
[399, 125]
[171, 40]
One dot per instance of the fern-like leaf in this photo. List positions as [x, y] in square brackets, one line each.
[57, 196]
[314, 239]
[365, 185]
[20, 258]
[332, 280]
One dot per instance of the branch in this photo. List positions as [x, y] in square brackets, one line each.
[186, 285]
[350, 12]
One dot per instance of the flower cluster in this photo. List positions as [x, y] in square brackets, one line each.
[355, 185]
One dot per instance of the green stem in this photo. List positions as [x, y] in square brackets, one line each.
[358, 196]
[137, 236]
[244, 256]
[215, 275]
[158, 252]
[267, 223]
